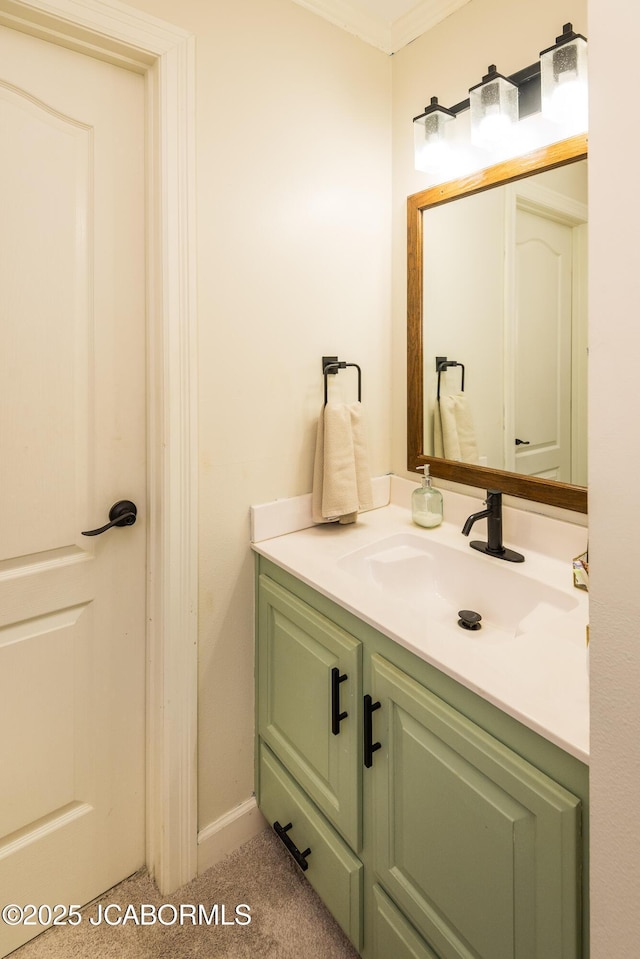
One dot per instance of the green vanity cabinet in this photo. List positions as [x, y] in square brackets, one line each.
[392, 936]
[436, 826]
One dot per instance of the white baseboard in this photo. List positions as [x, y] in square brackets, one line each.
[228, 832]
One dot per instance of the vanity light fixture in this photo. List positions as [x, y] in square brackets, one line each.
[430, 146]
[554, 88]
[563, 69]
[494, 109]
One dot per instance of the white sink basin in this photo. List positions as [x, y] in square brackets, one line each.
[438, 580]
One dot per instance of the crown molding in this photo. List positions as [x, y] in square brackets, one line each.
[421, 18]
[352, 19]
[386, 36]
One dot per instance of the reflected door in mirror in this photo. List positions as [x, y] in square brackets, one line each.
[542, 347]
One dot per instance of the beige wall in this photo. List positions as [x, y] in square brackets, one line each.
[293, 258]
[614, 466]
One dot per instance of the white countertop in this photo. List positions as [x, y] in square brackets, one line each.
[540, 678]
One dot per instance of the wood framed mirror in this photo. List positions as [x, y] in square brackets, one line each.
[422, 354]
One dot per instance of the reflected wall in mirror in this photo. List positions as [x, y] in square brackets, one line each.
[505, 275]
[497, 283]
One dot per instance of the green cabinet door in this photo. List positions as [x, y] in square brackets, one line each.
[393, 937]
[330, 866]
[309, 695]
[479, 849]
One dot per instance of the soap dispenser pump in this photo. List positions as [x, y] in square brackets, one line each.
[426, 502]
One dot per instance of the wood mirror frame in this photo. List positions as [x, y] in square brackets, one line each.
[552, 492]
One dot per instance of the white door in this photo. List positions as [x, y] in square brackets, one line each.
[542, 414]
[72, 443]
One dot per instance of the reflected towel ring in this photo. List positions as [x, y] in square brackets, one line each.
[331, 365]
[442, 364]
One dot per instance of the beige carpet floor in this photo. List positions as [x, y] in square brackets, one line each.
[288, 920]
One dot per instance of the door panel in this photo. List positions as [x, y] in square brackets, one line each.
[44, 272]
[72, 442]
[543, 346]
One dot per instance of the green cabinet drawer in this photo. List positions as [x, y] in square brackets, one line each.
[477, 847]
[309, 695]
[394, 937]
[332, 869]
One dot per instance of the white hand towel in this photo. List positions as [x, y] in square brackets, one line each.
[454, 434]
[341, 477]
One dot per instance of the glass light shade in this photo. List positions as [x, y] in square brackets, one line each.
[494, 110]
[431, 150]
[565, 91]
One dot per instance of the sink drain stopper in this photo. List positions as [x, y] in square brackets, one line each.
[469, 619]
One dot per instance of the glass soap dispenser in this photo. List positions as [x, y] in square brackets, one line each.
[426, 502]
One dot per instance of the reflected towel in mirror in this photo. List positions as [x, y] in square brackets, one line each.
[341, 475]
[453, 432]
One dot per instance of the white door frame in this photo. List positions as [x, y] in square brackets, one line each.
[165, 56]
